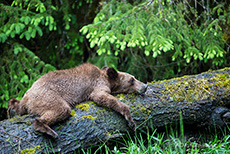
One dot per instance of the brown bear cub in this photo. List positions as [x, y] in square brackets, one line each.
[54, 94]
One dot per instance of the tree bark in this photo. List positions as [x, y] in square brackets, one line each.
[201, 100]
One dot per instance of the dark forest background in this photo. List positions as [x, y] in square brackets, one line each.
[152, 40]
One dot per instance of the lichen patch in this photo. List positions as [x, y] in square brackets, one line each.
[83, 107]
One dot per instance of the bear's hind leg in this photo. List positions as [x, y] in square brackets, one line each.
[50, 117]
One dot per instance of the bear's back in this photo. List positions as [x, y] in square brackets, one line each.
[73, 85]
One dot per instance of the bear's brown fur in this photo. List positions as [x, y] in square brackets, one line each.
[54, 94]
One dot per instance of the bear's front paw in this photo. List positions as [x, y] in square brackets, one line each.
[132, 125]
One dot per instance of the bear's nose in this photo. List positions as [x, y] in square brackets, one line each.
[145, 87]
[142, 89]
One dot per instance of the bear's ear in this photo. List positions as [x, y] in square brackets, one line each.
[105, 68]
[112, 73]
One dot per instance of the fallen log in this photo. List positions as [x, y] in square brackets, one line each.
[202, 100]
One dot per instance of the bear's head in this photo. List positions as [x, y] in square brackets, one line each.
[122, 82]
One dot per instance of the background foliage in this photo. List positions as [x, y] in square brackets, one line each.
[21, 70]
[161, 39]
[36, 37]
[150, 39]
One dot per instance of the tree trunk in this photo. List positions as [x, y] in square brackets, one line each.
[202, 100]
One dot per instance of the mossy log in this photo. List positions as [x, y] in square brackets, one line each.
[202, 100]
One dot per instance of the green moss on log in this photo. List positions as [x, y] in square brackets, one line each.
[31, 150]
[193, 89]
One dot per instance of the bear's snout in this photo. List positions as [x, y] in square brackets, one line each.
[143, 89]
[145, 86]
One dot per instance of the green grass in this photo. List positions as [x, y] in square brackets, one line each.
[173, 141]
[162, 143]
[156, 143]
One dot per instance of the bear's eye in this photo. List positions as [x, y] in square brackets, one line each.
[132, 81]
